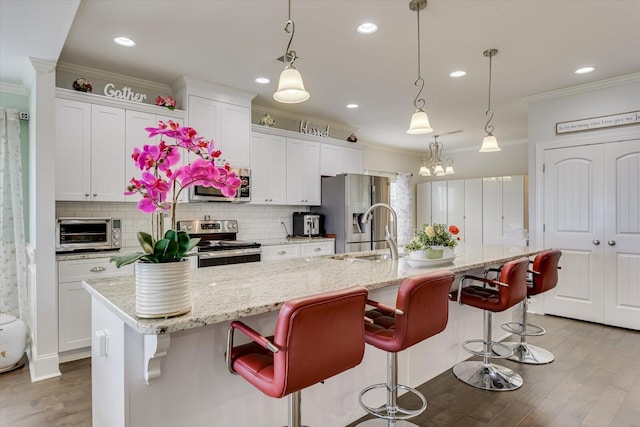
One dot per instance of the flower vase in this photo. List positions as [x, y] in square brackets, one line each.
[418, 255]
[163, 289]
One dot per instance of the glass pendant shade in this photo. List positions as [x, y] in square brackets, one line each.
[449, 170]
[424, 171]
[489, 144]
[290, 87]
[438, 170]
[419, 123]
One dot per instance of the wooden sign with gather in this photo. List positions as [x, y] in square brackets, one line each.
[125, 93]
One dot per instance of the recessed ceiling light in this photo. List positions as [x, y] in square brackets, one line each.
[263, 80]
[458, 73]
[124, 41]
[367, 28]
[352, 105]
[584, 70]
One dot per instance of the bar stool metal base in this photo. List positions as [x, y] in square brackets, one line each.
[379, 422]
[527, 353]
[487, 376]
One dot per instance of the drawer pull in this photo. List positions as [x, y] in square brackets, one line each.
[317, 249]
[97, 269]
[282, 252]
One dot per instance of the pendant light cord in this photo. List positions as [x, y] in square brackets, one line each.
[419, 102]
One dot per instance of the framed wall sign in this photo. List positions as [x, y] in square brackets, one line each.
[613, 120]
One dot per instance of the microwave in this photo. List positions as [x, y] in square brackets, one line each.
[199, 193]
[88, 234]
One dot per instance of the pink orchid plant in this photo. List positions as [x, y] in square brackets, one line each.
[167, 101]
[163, 179]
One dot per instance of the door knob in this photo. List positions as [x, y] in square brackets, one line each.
[611, 242]
[596, 242]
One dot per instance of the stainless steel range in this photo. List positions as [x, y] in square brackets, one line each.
[218, 244]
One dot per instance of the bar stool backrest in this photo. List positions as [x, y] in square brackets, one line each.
[318, 337]
[514, 273]
[424, 301]
[546, 264]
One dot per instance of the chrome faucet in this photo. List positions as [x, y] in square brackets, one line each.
[390, 238]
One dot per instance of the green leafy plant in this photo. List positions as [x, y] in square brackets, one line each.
[434, 235]
[174, 247]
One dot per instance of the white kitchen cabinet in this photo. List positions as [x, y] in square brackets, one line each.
[74, 303]
[73, 150]
[439, 202]
[279, 252]
[90, 142]
[455, 206]
[227, 124]
[136, 137]
[303, 172]
[336, 159]
[492, 210]
[317, 248]
[504, 217]
[423, 204]
[268, 169]
[472, 226]
[297, 250]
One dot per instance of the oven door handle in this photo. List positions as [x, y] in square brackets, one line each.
[229, 253]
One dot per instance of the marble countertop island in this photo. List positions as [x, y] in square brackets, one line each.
[228, 292]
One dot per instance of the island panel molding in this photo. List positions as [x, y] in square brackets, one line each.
[600, 122]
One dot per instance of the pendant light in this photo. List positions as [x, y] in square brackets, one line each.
[433, 164]
[290, 86]
[419, 119]
[489, 143]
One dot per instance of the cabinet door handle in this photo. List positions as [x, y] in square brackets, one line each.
[95, 194]
[86, 194]
[596, 242]
[97, 269]
[282, 252]
[611, 242]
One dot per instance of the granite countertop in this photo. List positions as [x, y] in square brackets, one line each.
[226, 292]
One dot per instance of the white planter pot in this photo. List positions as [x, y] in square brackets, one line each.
[163, 289]
[13, 341]
[437, 252]
[418, 255]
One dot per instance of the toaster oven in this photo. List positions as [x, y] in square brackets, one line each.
[88, 234]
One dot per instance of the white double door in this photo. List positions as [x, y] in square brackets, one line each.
[592, 213]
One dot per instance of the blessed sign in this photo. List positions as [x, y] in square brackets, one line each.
[125, 93]
[310, 130]
[622, 119]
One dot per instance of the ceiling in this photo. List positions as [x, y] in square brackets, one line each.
[231, 42]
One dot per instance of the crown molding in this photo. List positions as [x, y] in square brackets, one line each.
[42, 66]
[13, 89]
[107, 75]
[587, 87]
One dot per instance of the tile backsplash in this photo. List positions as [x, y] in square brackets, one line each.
[255, 222]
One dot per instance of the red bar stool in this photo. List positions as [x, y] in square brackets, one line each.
[543, 277]
[315, 338]
[509, 290]
[422, 309]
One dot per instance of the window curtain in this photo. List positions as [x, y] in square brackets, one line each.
[404, 208]
[13, 272]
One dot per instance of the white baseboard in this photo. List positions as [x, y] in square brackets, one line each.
[71, 355]
[44, 367]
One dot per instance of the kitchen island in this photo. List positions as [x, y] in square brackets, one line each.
[166, 372]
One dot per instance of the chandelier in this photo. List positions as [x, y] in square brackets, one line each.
[433, 164]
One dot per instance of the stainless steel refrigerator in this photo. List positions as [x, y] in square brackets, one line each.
[345, 199]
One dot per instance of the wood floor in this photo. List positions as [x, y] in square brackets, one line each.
[594, 381]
